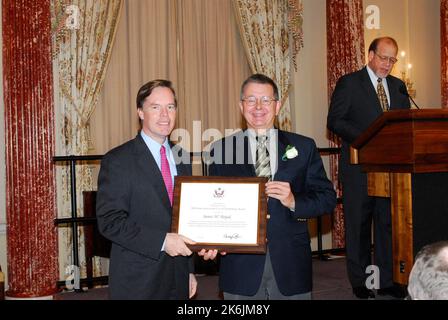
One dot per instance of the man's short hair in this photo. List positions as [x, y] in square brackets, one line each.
[374, 45]
[261, 79]
[146, 90]
[428, 279]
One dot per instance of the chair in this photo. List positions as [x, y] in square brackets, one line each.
[95, 244]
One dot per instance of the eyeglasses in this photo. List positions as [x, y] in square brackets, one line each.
[253, 101]
[158, 107]
[392, 60]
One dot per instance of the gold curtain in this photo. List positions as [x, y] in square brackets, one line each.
[144, 49]
[193, 43]
[84, 32]
[264, 28]
[212, 67]
[345, 54]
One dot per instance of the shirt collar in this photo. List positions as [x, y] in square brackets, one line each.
[373, 76]
[271, 133]
[374, 80]
[153, 145]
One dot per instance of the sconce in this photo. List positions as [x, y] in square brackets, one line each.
[406, 77]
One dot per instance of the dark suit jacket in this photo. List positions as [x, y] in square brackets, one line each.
[287, 231]
[134, 212]
[354, 106]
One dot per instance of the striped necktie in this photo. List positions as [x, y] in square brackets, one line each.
[382, 95]
[262, 165]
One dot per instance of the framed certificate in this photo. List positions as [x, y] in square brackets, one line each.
[224, 213]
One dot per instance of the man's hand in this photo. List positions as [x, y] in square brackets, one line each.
[193, 285]
[175, 245]
[281, 191]
[210, 254]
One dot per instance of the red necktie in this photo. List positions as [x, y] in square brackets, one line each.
[166, 173]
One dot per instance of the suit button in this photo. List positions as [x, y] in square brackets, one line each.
[268, 216]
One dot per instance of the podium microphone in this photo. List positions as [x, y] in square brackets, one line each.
[405, 92]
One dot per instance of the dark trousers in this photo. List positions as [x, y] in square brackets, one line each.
[359, 212]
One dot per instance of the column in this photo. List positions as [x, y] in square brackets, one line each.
[29, 126]
[444, 48]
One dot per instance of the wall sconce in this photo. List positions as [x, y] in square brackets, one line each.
[406, 77]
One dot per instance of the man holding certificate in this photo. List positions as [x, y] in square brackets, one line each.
[134, 203]
[298, 189]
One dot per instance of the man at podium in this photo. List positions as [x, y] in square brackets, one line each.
[358, 99]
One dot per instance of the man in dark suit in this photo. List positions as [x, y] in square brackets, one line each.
[298, 190]
[135, 189]
[358, 99]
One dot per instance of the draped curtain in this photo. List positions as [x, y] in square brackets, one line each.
[144, 49]
[444, 45]
[196, 45]
[212, 66]
[83, 35]
[345, 45]
[264, 28]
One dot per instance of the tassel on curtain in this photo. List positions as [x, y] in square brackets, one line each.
[84, 31]
[345, 42]
[295, 22]
[265, 27]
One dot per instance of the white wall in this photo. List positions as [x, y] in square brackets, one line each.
[424, 43]
[415, 24]
[309, 102]
[309, 97]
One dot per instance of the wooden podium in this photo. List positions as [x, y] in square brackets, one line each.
[405, 153]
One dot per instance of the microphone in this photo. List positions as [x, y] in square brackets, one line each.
[405, 92]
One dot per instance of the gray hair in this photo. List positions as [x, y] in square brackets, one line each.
[429, 275]
[260, 79]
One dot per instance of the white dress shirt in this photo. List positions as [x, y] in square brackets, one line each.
[374, 79]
